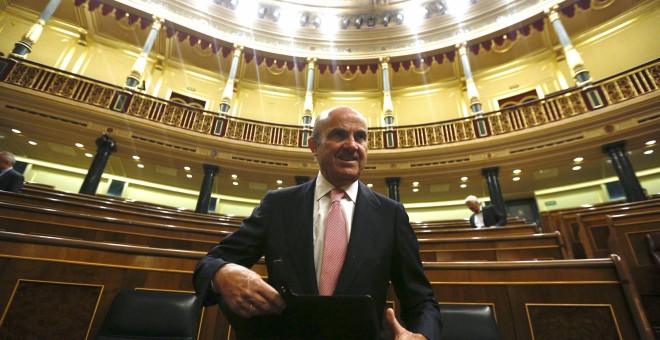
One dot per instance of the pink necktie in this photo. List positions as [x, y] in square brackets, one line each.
[334, 249]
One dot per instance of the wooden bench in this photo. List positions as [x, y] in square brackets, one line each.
[124, 204]
[21, 216]
[558, 299]
[569, 227]
[593, 230]
[186, 241]
[532, 299]
[459, 224]
[523, 229]
[114, 212]
[627, 232]
[497, 248]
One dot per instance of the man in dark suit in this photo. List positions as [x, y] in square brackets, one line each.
[287, 228]
[487, 216]
[10, 179]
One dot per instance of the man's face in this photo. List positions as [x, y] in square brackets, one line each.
[342, 148]
[474, 206]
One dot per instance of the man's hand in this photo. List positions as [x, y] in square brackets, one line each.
[397, 331]
[245, 292]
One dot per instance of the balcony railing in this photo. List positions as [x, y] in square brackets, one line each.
[633, 83]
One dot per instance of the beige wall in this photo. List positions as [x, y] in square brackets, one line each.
[546, 200]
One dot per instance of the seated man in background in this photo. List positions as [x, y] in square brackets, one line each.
[487, 216]
[10, 179]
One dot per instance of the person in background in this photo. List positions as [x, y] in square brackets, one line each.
[487, 216]
[288, 228]
[10, 179]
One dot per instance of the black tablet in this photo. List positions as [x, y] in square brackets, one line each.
[313, 317]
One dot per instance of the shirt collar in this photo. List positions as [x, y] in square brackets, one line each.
[323, 186]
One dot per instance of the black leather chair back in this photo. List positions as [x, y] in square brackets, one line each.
[468, 322]
[151, 314]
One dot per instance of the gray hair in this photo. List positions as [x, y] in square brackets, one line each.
[471, 198]
[8, 156]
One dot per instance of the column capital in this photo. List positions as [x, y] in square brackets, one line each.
[384, 60]
[157, 22]
[211, 169]
[238, 49]
[552, 12]
[393, 180]
[105, 142]
[462, 48]
[311, 61]
[494, 171]
[615, 146]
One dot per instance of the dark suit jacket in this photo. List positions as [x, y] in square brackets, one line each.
[11, 180]
[492, 217]
[382, 248]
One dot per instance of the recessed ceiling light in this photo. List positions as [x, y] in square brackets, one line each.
[87, 154]
[187, 168]
[32, 142]
[415, 184]
[648, 152]
[189, 175]
[517, 171]
[651, 142]
[415, 189]
[464, 178]
[279, 181]
[234, 176]
[79, 145]
[234, 183]
[577, 167]
[141, 166]
[136, 157]
[463, 185]
[578, 159]
[370, 185]
[19, 131]
[516, 179]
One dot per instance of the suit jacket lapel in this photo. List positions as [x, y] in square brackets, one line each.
[364, 230]
[299, 237]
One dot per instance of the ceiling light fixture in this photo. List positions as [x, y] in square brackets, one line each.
[399, 18]
[317, 22]
[303, 19]
[358, 22]
[371, 21]
[344, 22]
[386, 19]
[276, 14]
[19, 131]
[261, 12]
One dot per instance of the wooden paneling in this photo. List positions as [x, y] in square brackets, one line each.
[496, 248]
